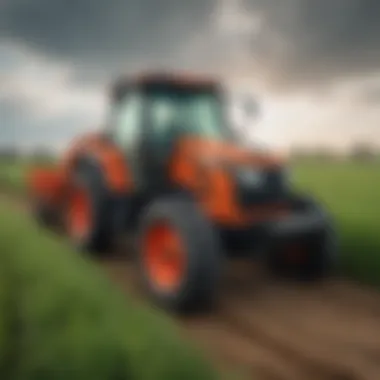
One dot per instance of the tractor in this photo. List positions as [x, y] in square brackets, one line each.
[169, 169]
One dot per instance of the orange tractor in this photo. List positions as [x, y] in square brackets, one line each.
[169, 169]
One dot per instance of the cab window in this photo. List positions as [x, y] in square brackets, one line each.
[126, 121]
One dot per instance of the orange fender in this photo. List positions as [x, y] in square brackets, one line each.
[47, 184]
[111, 161]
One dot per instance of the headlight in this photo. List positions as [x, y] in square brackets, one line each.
[250, 176]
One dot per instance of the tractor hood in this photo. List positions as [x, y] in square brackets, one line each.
[256, 176]
[225, 153]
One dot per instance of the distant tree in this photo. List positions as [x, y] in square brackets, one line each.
[363, 152]
[298, 153]
[42, 154]
[319, 153]
[8, 152]
[324, 153]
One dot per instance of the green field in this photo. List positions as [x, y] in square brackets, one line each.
[61, 318]
[12, 174]
[349, 189]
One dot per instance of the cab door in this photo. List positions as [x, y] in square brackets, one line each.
[125, 130]
[161, 129]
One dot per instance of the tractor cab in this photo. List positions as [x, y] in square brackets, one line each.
[165, 105]
[150, 115]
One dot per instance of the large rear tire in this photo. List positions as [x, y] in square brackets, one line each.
[88, 215]
[43, 213]
[179, 256]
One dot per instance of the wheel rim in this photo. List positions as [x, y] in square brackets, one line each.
[296, 253]
[79, 213]
[164, 256]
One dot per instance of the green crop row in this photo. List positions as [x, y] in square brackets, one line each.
[60, 318]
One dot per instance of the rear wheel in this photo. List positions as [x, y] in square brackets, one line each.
[89, 211]
[43, 213]
[179, 256]
[79, 223]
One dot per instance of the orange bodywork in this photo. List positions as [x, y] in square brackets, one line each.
[47, 184]
[53, 184]
[200, 166]
[111, 161]
[197, 165]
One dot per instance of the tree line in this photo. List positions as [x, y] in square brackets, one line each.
[359, 152]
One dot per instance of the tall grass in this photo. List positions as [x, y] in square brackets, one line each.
[60, 318]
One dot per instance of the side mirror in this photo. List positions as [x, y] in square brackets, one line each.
[247, 112]
[250, 108]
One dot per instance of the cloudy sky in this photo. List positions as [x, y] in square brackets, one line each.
[313, 64]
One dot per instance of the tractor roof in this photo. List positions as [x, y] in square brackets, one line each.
[145, 80]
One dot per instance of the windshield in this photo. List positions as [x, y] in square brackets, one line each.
[199, 113]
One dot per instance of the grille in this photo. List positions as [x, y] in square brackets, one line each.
[272, 189]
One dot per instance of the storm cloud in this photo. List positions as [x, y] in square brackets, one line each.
[296, 41]
[316, 57]
[106, 34]
[313, 40]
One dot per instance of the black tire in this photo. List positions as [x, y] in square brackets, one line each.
[200, 281]
[321, 249]
[98, 240]
[43, 213]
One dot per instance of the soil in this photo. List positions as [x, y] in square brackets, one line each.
[272, 330]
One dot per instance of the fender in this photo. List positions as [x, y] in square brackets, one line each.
[192, 168]
[109, 158]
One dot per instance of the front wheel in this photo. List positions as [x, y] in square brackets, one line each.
[310, 257]
[179, 255]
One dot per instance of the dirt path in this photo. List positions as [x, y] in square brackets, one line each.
[285, 331]
[282, 331]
